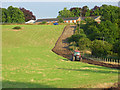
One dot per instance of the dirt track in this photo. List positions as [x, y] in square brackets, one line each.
[61, 48]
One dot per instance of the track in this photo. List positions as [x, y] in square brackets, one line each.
[61, 48]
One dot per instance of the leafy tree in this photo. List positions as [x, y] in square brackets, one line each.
[65, 13]
[96, 12]
[84, 43]
[61, 20]
[109, 31]
[28, 14]
[76, 12]
[16, 15]
[75, 38]
[87, 13]
[5, 16]
[100, 48]
[84, 10]
[109, 12]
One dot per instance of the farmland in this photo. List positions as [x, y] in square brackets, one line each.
[28, 62]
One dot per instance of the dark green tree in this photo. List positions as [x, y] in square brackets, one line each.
[84, 43]
[5, 16]
[16, 15]
[61, 20]
[100, 48]
[65, 13]
[87, 13]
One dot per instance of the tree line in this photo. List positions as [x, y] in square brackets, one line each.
[16, 15]
[85, 11]
[102, 39]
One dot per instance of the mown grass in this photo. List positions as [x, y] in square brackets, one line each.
[28, 62]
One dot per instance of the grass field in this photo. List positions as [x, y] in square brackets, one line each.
[28, 62]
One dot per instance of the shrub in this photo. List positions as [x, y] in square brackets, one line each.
[61, 20]
[84, 43]
[116, 48]
[100, 48]
[44, 22]
[17, 27]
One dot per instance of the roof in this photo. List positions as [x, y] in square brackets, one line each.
[94, 17]
[69, 18]
[56, 19]
[50, 19]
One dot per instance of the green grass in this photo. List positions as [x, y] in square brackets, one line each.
[28, 62]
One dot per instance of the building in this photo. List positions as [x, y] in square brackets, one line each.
[30, 21]
[68, 20]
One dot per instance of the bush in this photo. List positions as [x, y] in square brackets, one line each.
[75, 38]
[116, 48]
[44, 22]
[61, 20]
[84, 43]
[100, 48]
[17, 27]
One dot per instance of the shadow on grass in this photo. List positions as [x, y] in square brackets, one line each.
[10, 84]
[66, 59]
[89, 70]
[98, 67]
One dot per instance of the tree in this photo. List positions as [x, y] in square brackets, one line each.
[84, 10]
[16, 15]
[109, 12]
[100, 48]
[109, 31]
[65, 13]
[87, 13]
[84, 43]
[61, 20]
[76, 11]
[5, 16]
[96, 12]
[28, 14]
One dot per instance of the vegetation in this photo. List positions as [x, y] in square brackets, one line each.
[12, 15]
[61, 20]
[108, 31]
[17, 27]
[28, 62]
[108, 11]
[44, 22]
[65, 13]
[100, 48]
[28, 14]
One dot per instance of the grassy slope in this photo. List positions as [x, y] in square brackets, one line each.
[29, 62]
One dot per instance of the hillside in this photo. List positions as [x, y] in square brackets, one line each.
[28, 62]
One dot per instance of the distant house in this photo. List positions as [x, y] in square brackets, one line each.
[50, 20]
[30, 21]
[68, 20]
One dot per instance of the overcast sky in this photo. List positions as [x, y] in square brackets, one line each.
[50, 9]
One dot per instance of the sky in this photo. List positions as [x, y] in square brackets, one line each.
[50, 9]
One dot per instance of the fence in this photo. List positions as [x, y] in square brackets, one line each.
[105, 59]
